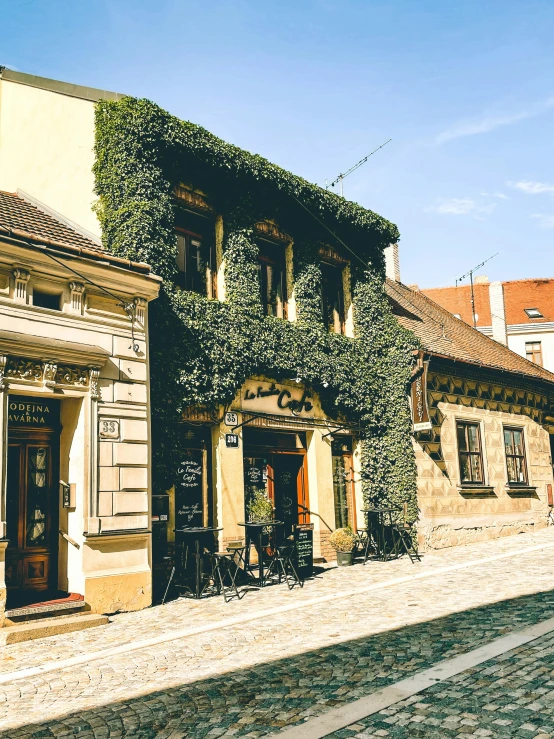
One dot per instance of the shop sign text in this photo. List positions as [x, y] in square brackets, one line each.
[270, 397]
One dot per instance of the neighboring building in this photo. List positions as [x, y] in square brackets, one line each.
[518, 313]
[74, 406]
[485, 459]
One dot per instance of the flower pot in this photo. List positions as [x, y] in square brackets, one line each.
[344, 559]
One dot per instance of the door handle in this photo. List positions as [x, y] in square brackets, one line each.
[69, 539]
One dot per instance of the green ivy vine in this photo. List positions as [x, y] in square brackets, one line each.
[201, 350]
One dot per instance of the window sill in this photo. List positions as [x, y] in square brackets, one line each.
[523, 490]
[476, 490]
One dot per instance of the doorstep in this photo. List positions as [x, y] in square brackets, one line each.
[43, 627]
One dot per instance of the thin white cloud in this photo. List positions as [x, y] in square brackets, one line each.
[473, 127]
[497, 195]
[462, 207]
[544, 220]
[531, 188]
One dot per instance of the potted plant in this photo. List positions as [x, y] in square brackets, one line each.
[259, 508]
[343, 542]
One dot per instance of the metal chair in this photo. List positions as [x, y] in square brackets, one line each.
[282, 565]
[403, 533]
[224, 566]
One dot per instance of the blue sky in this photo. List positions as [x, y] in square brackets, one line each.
[464, 89]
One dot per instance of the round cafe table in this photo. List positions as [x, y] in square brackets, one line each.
[255, 532]
[191, 539]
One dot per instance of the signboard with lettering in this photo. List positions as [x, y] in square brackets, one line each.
[33, 412]
[304, 538]
[262, 396]
[420, 410]
[189, 490]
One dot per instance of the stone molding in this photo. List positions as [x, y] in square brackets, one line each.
[47, 373]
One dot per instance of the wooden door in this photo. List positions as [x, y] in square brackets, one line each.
[32, 512]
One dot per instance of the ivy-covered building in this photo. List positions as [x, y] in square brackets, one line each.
[276, 363]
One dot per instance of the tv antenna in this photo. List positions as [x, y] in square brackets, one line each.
[470, 275]
[340, 178]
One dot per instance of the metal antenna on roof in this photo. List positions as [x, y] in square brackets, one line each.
[340, 178]
[470, 275]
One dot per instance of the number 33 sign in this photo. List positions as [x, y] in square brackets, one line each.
[109, 429]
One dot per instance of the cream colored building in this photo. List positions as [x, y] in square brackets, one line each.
[484, 450]
[74, 416]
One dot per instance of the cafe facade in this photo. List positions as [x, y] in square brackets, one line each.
[74, 418]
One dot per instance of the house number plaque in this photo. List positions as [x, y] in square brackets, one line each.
[109, 429]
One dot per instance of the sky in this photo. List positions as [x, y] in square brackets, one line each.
[465, 90]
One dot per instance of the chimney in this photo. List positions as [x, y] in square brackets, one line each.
[498, 313]
[392, 262]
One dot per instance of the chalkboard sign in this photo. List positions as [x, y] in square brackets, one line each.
[189, 490]
[304, 538]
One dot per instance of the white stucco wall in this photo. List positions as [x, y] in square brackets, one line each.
[517, 341]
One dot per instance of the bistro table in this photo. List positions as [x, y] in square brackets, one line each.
[255, 532]
[194, 535]
[378, 519]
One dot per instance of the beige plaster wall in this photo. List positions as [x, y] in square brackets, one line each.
[46, 150]
[450, 514]
[109, 561]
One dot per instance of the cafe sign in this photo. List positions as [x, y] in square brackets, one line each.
[263, 396]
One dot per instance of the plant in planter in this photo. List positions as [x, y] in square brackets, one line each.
[343, 542]
[259, 507]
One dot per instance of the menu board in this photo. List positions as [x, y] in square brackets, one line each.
[189, 490]
[304, 538]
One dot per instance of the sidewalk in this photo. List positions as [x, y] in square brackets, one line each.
[276, 657]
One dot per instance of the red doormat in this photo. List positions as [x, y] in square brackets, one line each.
[67, 598]
[29, 599]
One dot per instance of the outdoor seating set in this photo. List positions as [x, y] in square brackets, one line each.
[200, 569]
[387, 535]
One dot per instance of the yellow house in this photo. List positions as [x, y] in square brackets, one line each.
[74, 418]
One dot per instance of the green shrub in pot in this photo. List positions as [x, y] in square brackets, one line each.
[343, 542]
[260, 508]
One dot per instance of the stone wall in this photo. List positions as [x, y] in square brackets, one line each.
[451, 514]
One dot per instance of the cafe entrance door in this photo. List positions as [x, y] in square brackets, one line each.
[32, 514]
[278, 470]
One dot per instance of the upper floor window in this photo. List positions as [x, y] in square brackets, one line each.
[515, 456]
[273, 279]
[332, 296]
[53, 301]
[533, 351]
[470, 453]
[195, 263]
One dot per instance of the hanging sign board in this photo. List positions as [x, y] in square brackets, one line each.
[420, 409]
[304, 539]
[262, 396]
[189, 489]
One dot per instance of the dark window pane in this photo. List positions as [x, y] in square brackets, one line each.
[462, 443]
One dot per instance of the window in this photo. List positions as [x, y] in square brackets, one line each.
[332, 296]
[343, 482]
[533, 351]
[470, 453]
[533, 313]
[273, 280]
[515, 456]
[195, 263]
[47, 300]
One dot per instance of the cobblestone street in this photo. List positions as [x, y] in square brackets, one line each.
[280, 658]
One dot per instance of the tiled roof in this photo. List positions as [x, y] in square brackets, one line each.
[518, 295]
[21, 219]
[442, 334]
[521, 294]
[457, 300]
[17, 213]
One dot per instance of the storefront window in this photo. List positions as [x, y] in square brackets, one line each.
[343, 483]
